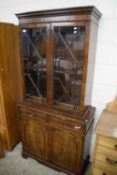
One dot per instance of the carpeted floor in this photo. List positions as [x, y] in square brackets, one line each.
[14, 164]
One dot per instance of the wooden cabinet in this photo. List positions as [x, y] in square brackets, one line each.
[55, 140]
[56, 119]
[105, 156]
[10, 83]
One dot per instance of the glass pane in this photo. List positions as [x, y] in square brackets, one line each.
[35, 59]
[68, 64]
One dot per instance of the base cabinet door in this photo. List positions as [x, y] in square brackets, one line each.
[33, 137]
[64, 149]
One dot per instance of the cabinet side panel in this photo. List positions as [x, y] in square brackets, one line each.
[91, 63]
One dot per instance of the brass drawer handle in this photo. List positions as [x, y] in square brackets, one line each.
[115, 146]
[111, 162]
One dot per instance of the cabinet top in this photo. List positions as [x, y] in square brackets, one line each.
[84, 10]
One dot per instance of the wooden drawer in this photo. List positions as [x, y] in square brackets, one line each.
[97, 170]
[107, 142]
[106, 151]
[66, 123]
[108, 161]
[33, 114]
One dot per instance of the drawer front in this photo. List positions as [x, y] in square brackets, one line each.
[33, 114]
[101, 171]
[108, 161]
[106, 151]
[108, 142]
[66, 123]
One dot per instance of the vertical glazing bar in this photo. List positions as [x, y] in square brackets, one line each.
[50, 63]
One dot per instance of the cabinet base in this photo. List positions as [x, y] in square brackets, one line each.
[57, 168]
[24, 155]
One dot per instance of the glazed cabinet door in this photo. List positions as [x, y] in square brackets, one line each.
[33, 137]
[68, 69]
[64, 149]
[35, 40]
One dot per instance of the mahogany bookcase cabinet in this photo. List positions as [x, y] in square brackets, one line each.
[56, 119]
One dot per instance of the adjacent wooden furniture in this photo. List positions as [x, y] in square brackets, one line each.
[112, 106]
[56, 122]
[105, 155]
[10, 84]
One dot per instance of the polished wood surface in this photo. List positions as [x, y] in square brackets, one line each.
[105, 153]
[30, 139]
[10, 83]
[58, 134]
[58, 151]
